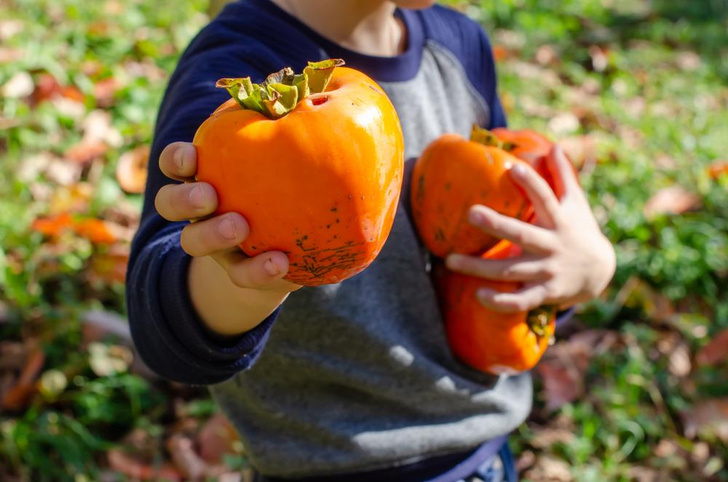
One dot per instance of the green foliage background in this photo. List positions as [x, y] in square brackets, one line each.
[640, 85]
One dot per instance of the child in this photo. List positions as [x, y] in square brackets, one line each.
[352, 381]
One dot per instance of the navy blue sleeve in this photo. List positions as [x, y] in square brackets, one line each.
[167, 331]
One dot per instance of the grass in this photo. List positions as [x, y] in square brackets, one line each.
[636, 90]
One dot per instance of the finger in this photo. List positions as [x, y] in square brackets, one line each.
[525, 299]
[531, 238]
[544, 201]
[179, 161]
[562, 171]
[215, 234]
[179, 202]
[264, 271]
[513, 269]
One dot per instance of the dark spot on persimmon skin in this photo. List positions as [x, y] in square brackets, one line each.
[337, 220]
[334, 209]
[328, 226]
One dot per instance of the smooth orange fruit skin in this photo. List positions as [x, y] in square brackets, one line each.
[321, 183]
[451, 176]
[487, 340]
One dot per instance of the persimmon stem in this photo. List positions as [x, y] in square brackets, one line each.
[281, 91]
[487, 138]
[538, 319]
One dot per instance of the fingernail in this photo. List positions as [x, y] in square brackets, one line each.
[519, 170]
[179, 159]
[483, 293]
[454, 261]
[227, 228]
[476, 217]
[271, 267]
[197, 197]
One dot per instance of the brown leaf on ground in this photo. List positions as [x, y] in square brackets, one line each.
[8, 55]
[18, 396]
[217, 438]
[86, 151]
[12, 354]
[707, 418]
[581, 150]
[715, 352]
[562, 370]
[547, 56]
[181, 449]
[647, 474]
[131, 170]
[500, 53]
[549, 469]
[104, 92]
[109, 266]
[717, 169]
[599, 57]
[546, 437]
[672, 346]
[133, 465]
[671, 200]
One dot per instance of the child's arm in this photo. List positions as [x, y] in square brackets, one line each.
[231, 293]
[566, 259]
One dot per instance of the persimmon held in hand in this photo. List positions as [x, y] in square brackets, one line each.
[487, 340]
[313, 161]
[451, 176]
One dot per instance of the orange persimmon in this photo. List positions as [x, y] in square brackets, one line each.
[451, 176]
[313, 161]
[487, 340]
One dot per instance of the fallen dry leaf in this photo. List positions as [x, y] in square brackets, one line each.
[216, 438]
[706, 418]
[543, 438]
[8, 54]
[599, 57]
[17, 397]
[549, 469]
[181, 449]
[546, 55]
[564, 124]
[500, 53]
[133, 465]
[95, 230]
[717, 169]
[715, 352]
[671, 200]
[104, 92]
[86, 151]
[109, 266]
[18, 86]
[581, 150]
[131, 170]
[562, 371]
[53, 226]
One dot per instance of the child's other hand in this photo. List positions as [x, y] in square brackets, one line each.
[218, 236]
[566, 259]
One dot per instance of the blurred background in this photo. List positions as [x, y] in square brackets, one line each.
[636, 91]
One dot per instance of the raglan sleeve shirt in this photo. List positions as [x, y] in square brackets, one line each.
[167, 331]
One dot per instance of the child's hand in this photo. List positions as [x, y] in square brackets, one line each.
[566, 259]
[218, 236]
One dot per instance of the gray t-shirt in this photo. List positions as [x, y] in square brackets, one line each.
[358, 375]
